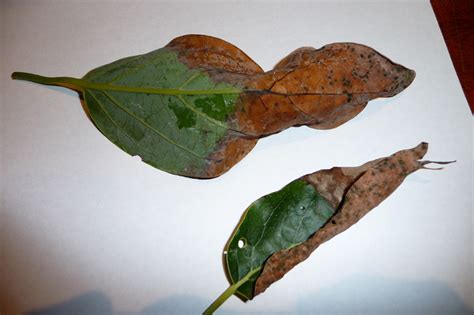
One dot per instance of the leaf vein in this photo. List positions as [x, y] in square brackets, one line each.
[106, 112]
[144, 123]
[203, 115]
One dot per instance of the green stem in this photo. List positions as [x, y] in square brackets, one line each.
[81, 85]
[229, 292]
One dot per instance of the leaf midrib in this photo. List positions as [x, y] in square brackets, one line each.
[82, 85]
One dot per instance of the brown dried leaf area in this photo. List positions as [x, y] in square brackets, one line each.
[354, 191]
[322, 88]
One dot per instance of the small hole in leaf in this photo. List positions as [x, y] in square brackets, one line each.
[241, 243]
[300, 210]
[225, 252]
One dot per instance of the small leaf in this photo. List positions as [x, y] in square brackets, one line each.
[198, 105]
[282, 229]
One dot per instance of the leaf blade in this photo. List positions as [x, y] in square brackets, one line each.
[279, 220]
[365, 187]
[195, 133]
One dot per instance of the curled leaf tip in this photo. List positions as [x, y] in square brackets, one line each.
[437, 162]
[423, 163]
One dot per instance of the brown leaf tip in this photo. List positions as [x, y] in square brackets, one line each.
[420, 150]
[354, 191]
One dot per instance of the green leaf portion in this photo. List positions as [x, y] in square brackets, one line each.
[274, 222]
[176, 132]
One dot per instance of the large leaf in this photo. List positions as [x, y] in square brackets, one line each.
[282, 229]
[198, 105]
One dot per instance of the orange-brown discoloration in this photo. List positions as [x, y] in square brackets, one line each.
[355, 191]
[325, 87]
[350, 67]
[330, 85]
[209, 53]
[322, 88]
[224, 63]
[230, 151]
[263, 114]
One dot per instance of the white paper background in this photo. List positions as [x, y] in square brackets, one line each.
[85, 228]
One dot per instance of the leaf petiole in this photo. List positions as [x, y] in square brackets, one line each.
[68, 82]
[229, 292]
